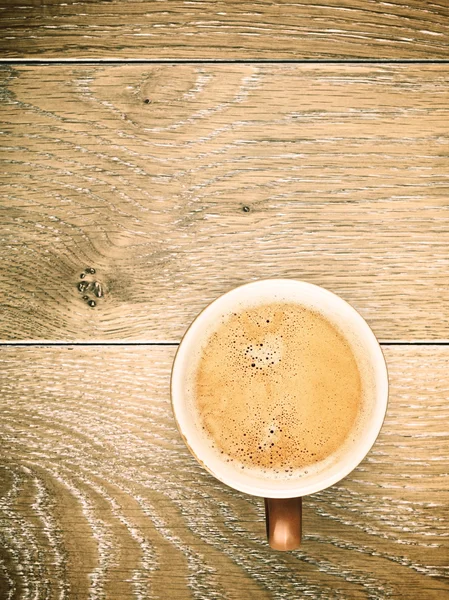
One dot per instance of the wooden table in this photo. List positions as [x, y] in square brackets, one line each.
[180, 149]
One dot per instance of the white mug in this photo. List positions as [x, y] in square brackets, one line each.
[282, 497]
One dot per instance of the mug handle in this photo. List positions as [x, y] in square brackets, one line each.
[284, 522]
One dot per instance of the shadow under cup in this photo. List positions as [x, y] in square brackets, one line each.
[282, 516]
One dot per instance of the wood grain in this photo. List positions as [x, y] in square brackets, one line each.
[334, 174]
[226, 29]
[99, 498]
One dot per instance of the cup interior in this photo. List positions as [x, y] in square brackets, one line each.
[365, 348]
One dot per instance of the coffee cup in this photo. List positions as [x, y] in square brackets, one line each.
[325, 345]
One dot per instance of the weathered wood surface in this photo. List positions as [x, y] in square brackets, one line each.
[226, 29]
[343, 171]
[100, 498]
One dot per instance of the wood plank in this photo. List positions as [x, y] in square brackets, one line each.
[100, 498]
[335, 174]
[226, 29]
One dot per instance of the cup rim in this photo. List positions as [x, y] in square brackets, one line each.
[270, 490]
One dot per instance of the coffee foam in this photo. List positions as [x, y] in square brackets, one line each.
[276, 389]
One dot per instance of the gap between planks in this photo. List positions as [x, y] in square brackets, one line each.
[175, 343]
[218, 61]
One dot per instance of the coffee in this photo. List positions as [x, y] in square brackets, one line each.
[276, 388]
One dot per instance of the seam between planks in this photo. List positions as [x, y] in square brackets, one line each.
[194, 61]
[173, 343]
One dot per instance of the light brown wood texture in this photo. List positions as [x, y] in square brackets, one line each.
[337, 29]
[100, 498]
[343, 171]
